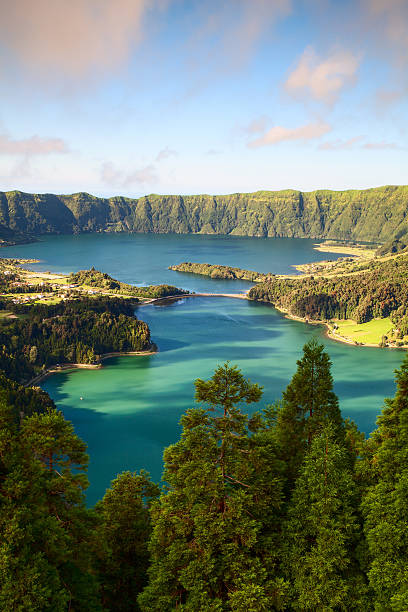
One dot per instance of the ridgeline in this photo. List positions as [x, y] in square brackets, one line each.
[372, 215]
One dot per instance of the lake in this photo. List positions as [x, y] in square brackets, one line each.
[131, 408]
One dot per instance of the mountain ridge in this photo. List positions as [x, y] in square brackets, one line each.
[377, 214]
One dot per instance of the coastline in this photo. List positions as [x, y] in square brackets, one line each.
[357, 251]
[329, 332]
[70, 367]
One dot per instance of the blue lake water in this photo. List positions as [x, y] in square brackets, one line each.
[131, 408]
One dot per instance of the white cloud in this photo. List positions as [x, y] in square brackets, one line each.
[278, 133]
[355, 143]
[35, 145]
[335, 145]
[165, 154]
[114, 177]
[77, 38]
[322, 79]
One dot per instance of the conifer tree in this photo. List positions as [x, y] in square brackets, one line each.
[121, 540]
[385, 503]
[207, 528]
[45, 564]
[322, 532]
[308, 402]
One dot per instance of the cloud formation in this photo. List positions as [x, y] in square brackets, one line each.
[146, 175]
[114, 177]
[356, 142]
[278, 133]
[225, 34]
[392, 17]
[28, 147]
[165, 154]
[74, 38]
[322, 79]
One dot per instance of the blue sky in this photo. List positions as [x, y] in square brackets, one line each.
[170, 96]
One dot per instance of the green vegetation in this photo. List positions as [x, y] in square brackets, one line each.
[290, 509]
[373, 290]
[78, 331]
[101, 280]
[366, 333]
[216, 271]
[377, 214]
[392, 247]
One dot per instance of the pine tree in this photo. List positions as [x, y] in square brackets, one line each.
[308, 403]
[206, 528]
[121, 540]
[44, 526]
[385, 504]
[322, 533]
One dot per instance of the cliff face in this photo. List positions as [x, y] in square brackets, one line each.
[377, 214]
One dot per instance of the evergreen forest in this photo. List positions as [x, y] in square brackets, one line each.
[376, 289]
[73, 331]
[290, 508]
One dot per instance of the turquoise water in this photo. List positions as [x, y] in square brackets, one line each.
[131, 408]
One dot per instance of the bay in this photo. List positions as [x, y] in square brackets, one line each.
[131, 408]
[143, 259]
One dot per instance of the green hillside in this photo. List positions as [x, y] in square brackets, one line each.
[377, 214]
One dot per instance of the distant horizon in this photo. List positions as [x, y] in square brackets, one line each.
[201, 193]
[185, 96]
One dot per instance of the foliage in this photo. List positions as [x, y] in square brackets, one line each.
[121, 540]
[291, 508]
[322, 531]
[207, 528]
[380, 290]
[94, 278]
[75, 332]
[377, 214]
[392, 247]
[385, 504]
[217, 271]
[308, 404]
[45, 565]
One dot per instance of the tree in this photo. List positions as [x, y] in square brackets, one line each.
[385, 503]
[45, 528]
[121, 540]
[322, 533]
[308, 403]
[207, 527]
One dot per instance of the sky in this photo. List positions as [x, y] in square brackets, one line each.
[128, 97]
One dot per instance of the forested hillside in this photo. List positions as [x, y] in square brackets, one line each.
[379, 289]
[377, 214]
[289, 509]
[77, 331]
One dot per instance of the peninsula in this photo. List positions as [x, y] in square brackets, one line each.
[362, 299]
[50, 322]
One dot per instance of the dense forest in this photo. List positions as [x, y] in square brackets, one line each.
[378, 214]
[217, 271]
[77, 331]
[102, 280]
[378, 289]
[291, 508]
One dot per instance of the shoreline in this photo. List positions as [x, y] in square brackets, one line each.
[70, 367]
[329, 333]
[244, 296]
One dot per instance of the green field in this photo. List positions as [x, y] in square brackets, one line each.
[367, 333]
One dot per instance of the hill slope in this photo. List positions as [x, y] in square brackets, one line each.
[377, 214]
